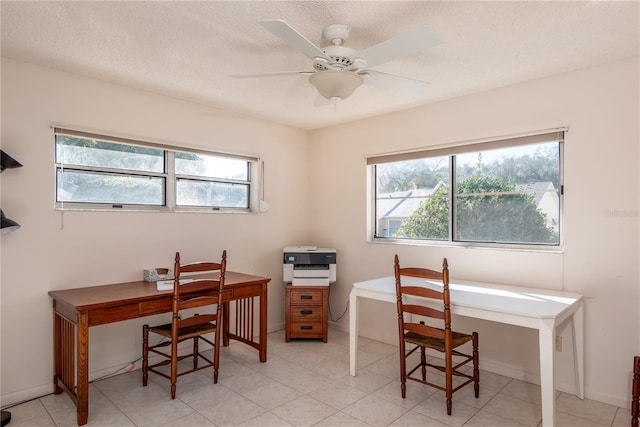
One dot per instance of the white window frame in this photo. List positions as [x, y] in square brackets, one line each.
[255, 167]
[451, 150]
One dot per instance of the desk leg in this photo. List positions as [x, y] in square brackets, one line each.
[577, 323]
[57, 351]
[547, 384]
[225, 324]
[83, 368]
[353, 332]
[263, 323]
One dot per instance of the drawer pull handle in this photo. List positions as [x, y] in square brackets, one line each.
[306, 311]
[306, 327]
[306, 296]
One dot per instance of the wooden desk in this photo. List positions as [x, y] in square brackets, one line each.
[76, 310]
[530, 308]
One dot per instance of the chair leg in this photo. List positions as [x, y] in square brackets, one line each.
[174, 367]
[216, 354]
[423, 363]
[403, 369]
[448, 382]
[195, 352]
[448, 377]
[476, 363]
[145, 354]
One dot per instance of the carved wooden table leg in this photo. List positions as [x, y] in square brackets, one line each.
[635, 392]
[83, 368]
[57, 350]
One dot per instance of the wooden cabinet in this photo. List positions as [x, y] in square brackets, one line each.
[307, 312]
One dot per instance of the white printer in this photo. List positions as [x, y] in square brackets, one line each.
[309, 265]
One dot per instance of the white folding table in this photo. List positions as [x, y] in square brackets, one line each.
[539, 309]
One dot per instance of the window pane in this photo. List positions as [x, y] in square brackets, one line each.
[214, 194]
[507, 218]
[95, 187]
[95, 153]
[212, 166]
[517, 165]
[508, 195]
[412, 199]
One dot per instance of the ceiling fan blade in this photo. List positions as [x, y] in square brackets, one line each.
[395, 83]
[274, 74]
[293, 38]
[408, 43]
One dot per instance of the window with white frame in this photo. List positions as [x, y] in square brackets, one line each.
[99, 171]
[506, 192]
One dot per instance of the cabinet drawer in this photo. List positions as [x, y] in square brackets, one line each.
[306, 329]
[306, 296]
[306, 313]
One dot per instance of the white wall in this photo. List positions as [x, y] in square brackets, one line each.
[601, 244]
[108, 247]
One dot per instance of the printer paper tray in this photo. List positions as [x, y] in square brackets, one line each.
[307, 281]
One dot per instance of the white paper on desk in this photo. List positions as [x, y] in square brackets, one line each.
[167, 285]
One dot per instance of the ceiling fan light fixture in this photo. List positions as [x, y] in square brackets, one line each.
[332, 84]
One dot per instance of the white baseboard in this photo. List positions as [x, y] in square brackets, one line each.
[277, 327]
[518, 373]
[27, 394]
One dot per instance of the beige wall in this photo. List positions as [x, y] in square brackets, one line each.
[600, 257]
[108, 247]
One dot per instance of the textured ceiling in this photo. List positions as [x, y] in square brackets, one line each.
[188, 49]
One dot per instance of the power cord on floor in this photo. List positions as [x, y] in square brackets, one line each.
[25, 401]
[329, 303]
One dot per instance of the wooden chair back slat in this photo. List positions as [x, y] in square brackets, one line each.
[422, 292]
[195, 267]
[424, 311]
[422, 273]
[425, 330]
[199, 286]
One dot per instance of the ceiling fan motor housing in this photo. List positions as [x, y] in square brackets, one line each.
[340, 55]
[341, 58]
[336, 33]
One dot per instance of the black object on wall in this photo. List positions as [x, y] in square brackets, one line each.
[8, 162]
[8, 225]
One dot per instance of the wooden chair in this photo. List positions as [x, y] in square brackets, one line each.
[415, 300]
[192, 293]
[635, 392]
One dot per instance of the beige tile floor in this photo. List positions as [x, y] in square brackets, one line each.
[307, 383]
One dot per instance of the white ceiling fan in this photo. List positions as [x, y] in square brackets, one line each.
[338, 70]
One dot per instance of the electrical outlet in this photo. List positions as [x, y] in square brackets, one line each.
[558, 343]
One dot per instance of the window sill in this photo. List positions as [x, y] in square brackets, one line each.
[511, 247]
